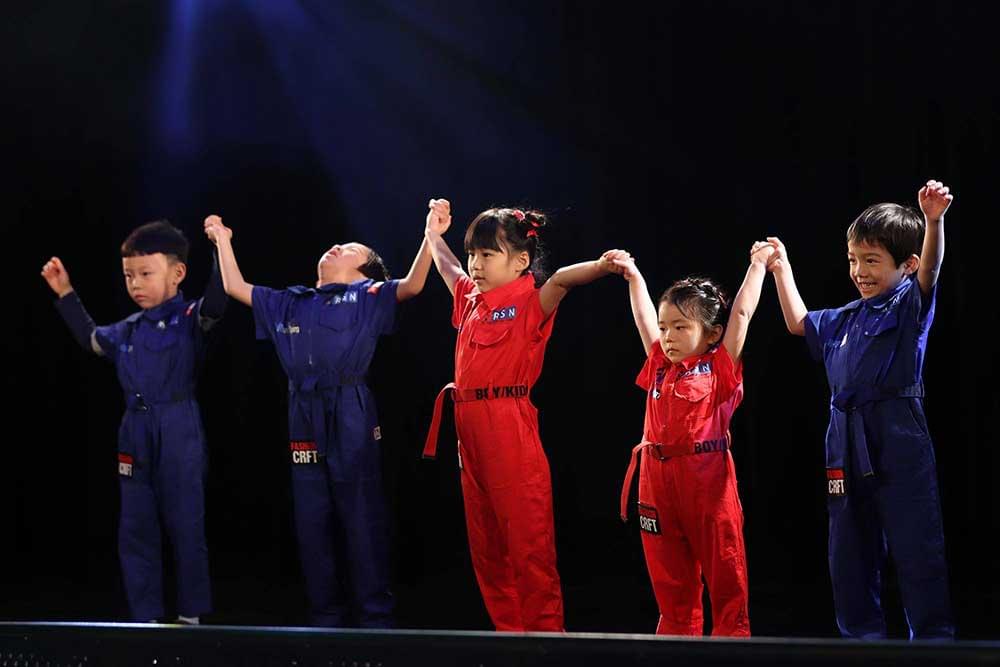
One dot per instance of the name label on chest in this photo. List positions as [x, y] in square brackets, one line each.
[503, 314]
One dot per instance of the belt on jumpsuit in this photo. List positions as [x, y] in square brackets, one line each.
[661, 452]
[136, 402]
[459, 395]
[311, 388]
[849, 425]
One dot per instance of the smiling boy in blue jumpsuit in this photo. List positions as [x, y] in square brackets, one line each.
[881, 477]
[161, 444]
[325, 339]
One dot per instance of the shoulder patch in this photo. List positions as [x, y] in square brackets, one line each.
[373, 289]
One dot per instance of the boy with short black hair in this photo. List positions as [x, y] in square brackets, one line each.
[161, 443]
[882, 483]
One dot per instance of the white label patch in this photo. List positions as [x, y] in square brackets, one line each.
[377, 433]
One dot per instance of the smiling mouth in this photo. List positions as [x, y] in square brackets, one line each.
[866, 285]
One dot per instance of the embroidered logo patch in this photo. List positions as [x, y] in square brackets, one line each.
[835, 482]
[290, 328]
[704, 368]
[304, 452]
[124, 465]
[377, 433]
[346, 297]
[649, 520]
[504, 314]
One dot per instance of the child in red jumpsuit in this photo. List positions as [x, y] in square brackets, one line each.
[689, 508]
[504, 322]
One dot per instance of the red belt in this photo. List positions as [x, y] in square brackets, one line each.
[660, 451]
[461, 396]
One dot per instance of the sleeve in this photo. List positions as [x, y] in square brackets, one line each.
[463, 286]
[384, 303]
[213, 303]
[269, 306]
[925, 311]
[538, 324]
[729, 374]
[818, 324]
[80, 324]
[655, 358]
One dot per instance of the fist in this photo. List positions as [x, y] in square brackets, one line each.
[934, 198]
[56, 276]
[215, 230]
[438, 216]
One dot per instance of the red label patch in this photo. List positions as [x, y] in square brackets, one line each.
[649, 519]
[304, 452]
[836, 482]
[124, 465]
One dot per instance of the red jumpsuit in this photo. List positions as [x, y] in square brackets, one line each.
[689, 510]
[502, 335]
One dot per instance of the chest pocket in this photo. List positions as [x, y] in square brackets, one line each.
[339, 317]
[694, 389]
[489, 335]
[692, 401]
[161, 341]
[886, 322]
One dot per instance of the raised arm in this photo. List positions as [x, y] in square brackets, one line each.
[643, 309]
[413, 283]
[568, 277]
[70, 306]
[438, 221]
[792, 307]
[934, 199]
[747, 298]
[232, 279]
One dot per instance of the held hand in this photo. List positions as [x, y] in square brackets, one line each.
[56, 276]
[617, 261]
[439, 216]
[934, 198]
[779, 258]
[214, 229]
[761, 252]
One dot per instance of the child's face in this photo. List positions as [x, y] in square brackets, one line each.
[682, 337]
[152, 279]
[873, 270]
[495, 268]
[342, 263]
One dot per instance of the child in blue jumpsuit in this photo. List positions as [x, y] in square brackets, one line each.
[161, 443]
[325, 338]
[881, 477]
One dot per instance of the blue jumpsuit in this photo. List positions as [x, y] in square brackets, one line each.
[162, 456]
[325, 339]
[881, 476]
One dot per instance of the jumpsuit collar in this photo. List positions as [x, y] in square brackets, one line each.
[330, 288]
[496, 297]
[881, 301]
[693, 360]
[161, 311]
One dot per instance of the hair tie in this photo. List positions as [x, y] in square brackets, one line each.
[532, 233]
[519, 214]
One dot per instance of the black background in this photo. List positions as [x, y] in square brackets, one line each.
[682, 132]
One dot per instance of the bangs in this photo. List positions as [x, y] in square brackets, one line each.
[485, 233]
